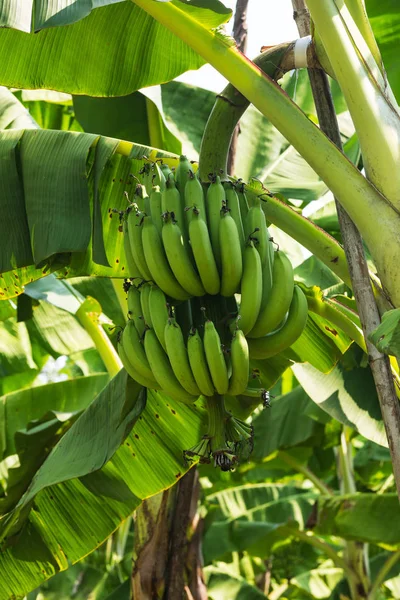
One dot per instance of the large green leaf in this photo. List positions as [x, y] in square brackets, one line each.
[15, 348]
[79, 498]
[221, 585]
[359, 517]
[348, 396]
[386, 336]
[105, 54]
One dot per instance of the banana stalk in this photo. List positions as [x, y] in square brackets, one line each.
[373, 214]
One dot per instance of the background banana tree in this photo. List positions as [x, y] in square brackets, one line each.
[83, 444]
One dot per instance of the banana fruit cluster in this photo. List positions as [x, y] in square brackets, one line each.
[208, 290]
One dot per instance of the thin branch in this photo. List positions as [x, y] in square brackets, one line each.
[240, 36]
[382, 574]
[320, 485]
[352, 242]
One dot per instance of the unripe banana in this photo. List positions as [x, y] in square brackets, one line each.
[250, 288]
[146, 178]
[157, 262]
[243, 203]
[279, 299]
[278, 341]
[142, 198]
[144, 303]
[158, 307]
[256, 228]
[155, 207]
[215, 201]
[178, 257]
[215, 358]
[132, 270]
[135, 309]
[182, 173]
[135, 229]
[232, 202]
[158, 177]
[203, 254]
[231, 254]
[132, 371]
[135, 353]
[194, 197]
[240, 364]
[166, 171]
[198, 363]
[171, 201]
[178, 357]
[160, 364]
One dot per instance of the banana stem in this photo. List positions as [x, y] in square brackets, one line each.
[101, 341]
[216, 421]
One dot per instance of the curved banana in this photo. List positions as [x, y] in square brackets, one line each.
[155, 207]
[250, 288]
[215, 201]
[135, 309]
[144, 303]
[179, 259]
[243, 202]
[198, 363]
[132, 371]
[278, 341]
[166, 171]
[157, 262]
[231, 254]
[240, 364]
[194, 198]
[132, 270]
[158, 308]
[142, 197]
[171, 201]
[178, 357]
[203, 253]
[135, 229]
[232, 202]
[256, 227]
[215, 358]
[279, 298]
[267, 275]
[135, 352]
[158, 177]
[160, 364]
[146, 178]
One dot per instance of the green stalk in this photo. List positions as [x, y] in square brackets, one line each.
[216, 421]
[368, 96]
[101, 340]
[298, 466]
[378, 223]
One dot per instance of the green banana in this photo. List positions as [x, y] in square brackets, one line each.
[194, 197]
[243, 203]
[215, 201]
[160, 364]
[178, 257]
[231, 254]
[232, 202]
[166, 170]
[256, 227]
[250, 288]
[132, 270]
[171, 201]
[182, 173]
[198, 363]
[279, 298]
[158, 177]
[135, 309]
[240, 364]
[142, 198]
[155, 207]
[178, 357]
[203, 253]
[278, 341]
[158, 308]
[135, 229]
[157, 262]
[132, 371]
[215, 358]
[144, 303]
[146, 178]
[135, 352]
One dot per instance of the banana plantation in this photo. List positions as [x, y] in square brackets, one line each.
[199, 302]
